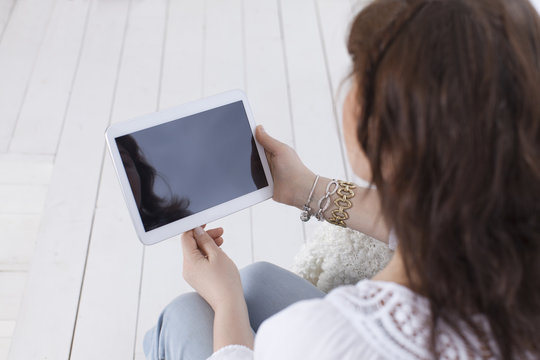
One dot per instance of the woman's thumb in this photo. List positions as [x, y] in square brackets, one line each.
[269, 143]
[205, 241]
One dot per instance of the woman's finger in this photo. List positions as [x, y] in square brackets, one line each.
[189, 246]
[215, 233]
[219, 241]
[204, 241]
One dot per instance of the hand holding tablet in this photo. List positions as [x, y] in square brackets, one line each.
[189, 165]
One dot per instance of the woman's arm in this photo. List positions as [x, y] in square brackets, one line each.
[293, 182]
[216, 278]
[363, 215]
[231, 325]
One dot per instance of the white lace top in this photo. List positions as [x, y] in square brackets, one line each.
[369, 320]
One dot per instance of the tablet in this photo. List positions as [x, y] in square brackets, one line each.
[189, 165]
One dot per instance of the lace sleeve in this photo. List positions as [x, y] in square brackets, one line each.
[396, 322]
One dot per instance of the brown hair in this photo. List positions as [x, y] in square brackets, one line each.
[449, 92]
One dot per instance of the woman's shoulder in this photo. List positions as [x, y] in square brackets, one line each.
[309, 329]
[326, 327]
[390, 316]
[372, 299]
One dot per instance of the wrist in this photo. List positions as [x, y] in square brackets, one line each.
[231, 304]
[324, 194]
[319, 193]
[302, 189]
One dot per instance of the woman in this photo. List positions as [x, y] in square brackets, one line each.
[444, 118]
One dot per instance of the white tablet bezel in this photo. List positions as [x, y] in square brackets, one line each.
[216, 212]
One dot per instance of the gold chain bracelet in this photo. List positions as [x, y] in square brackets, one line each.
[343, 203]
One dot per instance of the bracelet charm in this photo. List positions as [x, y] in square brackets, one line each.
[305, 215]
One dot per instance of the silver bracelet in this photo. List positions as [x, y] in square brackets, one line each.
[305, 215]
[319, 215]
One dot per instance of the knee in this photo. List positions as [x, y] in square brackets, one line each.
[184, 307]
[186, 315]
[255, 272]
[257, 275]
[259, 267]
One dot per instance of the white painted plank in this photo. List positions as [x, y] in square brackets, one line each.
[108, 308]
[278, 234]
[6, 328]
[334, 17]
[266, 81]
[25, 169]
[23, 186]
[358, 5]
[224, 70]
[4, 348]
[161, 282]
[18, 234]
[19, 47]
[6, 6]
[181, 81]
[11, 291]
[110, 296]
[42, 113]
[182, 72]
[315, 129]
[47, 318]
[536, 4]
[224, 64]
[22, 199]
[268, 94]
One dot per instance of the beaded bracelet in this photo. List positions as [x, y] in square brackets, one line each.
[305, 215]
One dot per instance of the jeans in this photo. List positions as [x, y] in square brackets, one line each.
[185, 327]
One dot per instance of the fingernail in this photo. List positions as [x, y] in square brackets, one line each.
[262, 129]
[198, 230]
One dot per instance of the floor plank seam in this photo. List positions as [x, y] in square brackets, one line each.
[15, 2]
[138, 306]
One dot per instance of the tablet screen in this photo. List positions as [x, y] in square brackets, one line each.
[191, 164]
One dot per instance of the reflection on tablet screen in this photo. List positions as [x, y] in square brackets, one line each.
[191, 164]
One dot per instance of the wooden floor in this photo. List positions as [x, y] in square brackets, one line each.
[74, 280]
